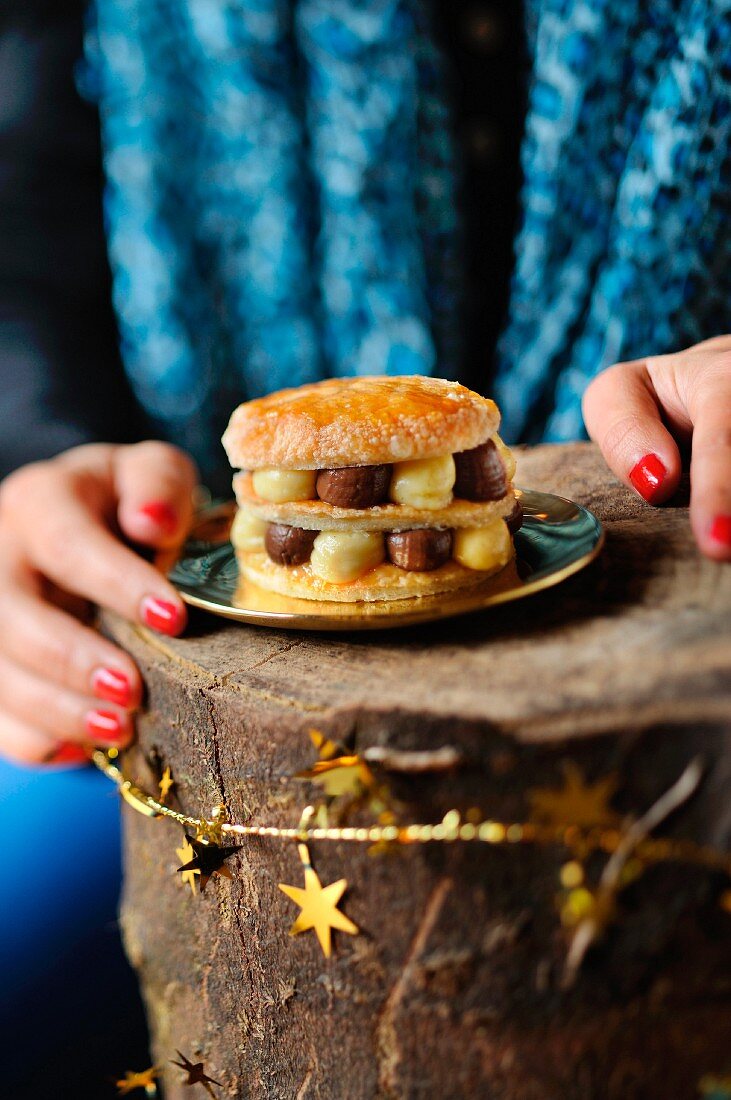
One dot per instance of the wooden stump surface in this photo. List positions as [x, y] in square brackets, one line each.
[452, 989]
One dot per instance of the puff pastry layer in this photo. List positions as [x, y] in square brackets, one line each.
[316, 515]
[385, 582]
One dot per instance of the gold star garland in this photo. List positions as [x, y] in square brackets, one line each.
[345, 776]
[577, 802]
[576, 816]
[144, 1080]
[196, 1074]
[450, 828]
[208, 860]
[186, 854]
[166, 782]
[318, 905]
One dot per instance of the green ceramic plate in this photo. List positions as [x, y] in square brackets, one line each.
[557, 539]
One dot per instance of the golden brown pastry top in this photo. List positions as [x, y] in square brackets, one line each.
[358, 422]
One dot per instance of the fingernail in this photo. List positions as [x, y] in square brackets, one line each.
[162, 514]
[104, 725]
[69, 753]
[162, 615]
[720, 530]
[111, 685]
[648, 477]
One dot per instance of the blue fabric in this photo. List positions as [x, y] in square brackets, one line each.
[70, 1013]
[625, 247]
[277, 174]
[62, 832]
[281, 201]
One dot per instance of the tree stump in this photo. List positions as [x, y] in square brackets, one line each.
[454, 986]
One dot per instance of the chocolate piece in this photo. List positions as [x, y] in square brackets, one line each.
[419, 550]
[354, 486]
[480, 473]
[515, 520]
[289, 545]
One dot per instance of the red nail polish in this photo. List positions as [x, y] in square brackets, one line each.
[720, 530]
[111, 685]
[162, 615]
[648, 477]
[69, 753]
[162, 514]
[104, 725]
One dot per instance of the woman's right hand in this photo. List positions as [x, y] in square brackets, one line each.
[65, 526]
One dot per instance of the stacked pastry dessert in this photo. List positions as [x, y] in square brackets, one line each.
[370, 488]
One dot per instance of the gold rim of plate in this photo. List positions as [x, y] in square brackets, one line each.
[558, 538]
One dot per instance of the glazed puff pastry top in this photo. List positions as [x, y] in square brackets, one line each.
[358, 422]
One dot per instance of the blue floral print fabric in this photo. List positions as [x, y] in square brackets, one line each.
[282, 198]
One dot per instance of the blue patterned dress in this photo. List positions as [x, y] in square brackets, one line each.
[282, 198]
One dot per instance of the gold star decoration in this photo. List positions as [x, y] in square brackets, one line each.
[144, 1080]
[208, 860]
[196, 1074]
[211, 831]
[326, 749]
[577, 802]
[318, 905]
[166, 782]
[186, 854]
[345, 775]
[339, 772]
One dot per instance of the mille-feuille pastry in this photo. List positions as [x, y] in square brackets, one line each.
[370, 488]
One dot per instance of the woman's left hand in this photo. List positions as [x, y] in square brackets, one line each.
[638, 413]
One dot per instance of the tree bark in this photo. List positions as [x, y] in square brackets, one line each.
[453, 987]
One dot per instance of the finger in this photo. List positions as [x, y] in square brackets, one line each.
[622, 416]
[23, 743]
[62, 714]
[710, 468]
[155, 484]
[47, 641]
[67, 542]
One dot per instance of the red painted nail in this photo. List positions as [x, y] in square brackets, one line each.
[69, 753]
[648, 477]
[162, 615]
[112, 685]
[162, 514]
[104, 725]
[720, 530]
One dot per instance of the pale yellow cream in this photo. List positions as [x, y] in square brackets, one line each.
[281, 486]
[342, 556]
[482, 548]
[420, 483]
[247, 531]
[424, 482]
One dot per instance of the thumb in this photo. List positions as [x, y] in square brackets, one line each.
[154, 483]
[622, 415]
